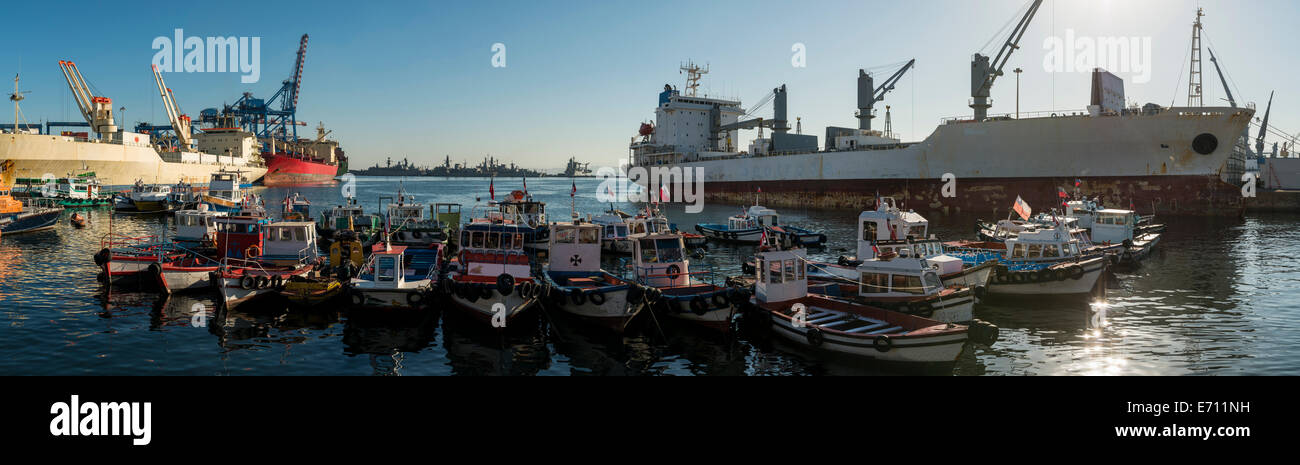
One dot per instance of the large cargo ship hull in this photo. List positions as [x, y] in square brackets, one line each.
[1147, 160]
[35, 155]
[283, 170]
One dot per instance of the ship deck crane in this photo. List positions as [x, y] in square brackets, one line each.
[1215, 61]
[868, 95]
[180, 122]
[983, 72]
[1263, 126]
[97, 110]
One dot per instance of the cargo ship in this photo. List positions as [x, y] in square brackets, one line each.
[1155, 158]
[303, 163]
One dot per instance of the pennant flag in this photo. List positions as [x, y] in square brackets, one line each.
[491, 189]
[574, 191]
[1022, 208]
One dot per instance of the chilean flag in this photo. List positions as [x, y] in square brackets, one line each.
[762, 239]
[575, 189]
[664, 195]
[760, 189]
[492, 191]
[1022, 208]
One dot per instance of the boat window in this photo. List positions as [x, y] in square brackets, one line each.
[648, 251]
[774, 271]
[638, 228]
[609, 230]
[622, 230]
[589, 236]
[874, 283]
[507, 241]
[1035, 251]
[493, 240]
[519, 241]
[1049, 250]
[761, 269]
[1018, 251]
[908, 284]
[565, 235]
[916, 231]
[800, 269]
[1074, 249]
[789, 270]
[904, 252]
[868, 230]
[476, 239]
[464, 237]
[670, 254]
[932, 281]
[386, 268]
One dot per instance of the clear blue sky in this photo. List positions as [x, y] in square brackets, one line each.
[415, 78]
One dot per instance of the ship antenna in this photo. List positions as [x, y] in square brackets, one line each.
[693, 74]
[1194, 76]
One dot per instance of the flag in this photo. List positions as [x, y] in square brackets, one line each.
[877, 199]
[525, 185]
[760, 189]
[574, 191]
[664, 195]
[874, 249]
[1022, 208]
[1077, 181]
[762, 239]
[491, 190]
[1060, 192]
[893, 235]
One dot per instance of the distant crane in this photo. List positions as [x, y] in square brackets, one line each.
[97, 110]
[1263, 126]
[983, 73]
[867, 97]
[180, 122]
[260, 117]
[1231, 101]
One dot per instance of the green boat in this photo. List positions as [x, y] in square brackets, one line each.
[79, 191]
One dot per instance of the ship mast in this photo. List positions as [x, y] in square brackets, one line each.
[1194, 76]
[693, 74]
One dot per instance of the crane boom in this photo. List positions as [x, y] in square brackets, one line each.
[1231, 101]
[180, 122]
[1263, 126]
[983, 72]
[868, 95]
[98, 111]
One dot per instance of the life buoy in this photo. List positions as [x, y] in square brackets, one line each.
[815, 337]
[577, 296]
[597, 297]
[883, 343]
[673, 272]
[505, 283]
[247, 283]
[253, 251]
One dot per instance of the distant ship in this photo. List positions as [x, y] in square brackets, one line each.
[489, 167]
[1167, 159]
[306, 162]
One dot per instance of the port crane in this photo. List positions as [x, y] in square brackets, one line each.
[983, 72]
[261, 117]
[180, 122]
[97, 110]
[1263, 126]
[869, 95]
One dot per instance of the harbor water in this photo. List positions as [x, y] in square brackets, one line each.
[1217, 297]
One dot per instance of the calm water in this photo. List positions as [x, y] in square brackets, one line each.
[1217, 297]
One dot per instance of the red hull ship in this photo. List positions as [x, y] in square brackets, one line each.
[287, 169]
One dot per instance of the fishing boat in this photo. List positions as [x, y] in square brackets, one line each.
[258, 256]
[748, 228]
[578, 285]
[296, 208]
[127, 258]
[492, 277]
[520, 208]
[1120, 234]
[1036, 262]
[349, 216]
[35, 214]
[615, 230]
[406, 222]
[659, 262]
[82, 190]
[143, 198]
[782, 305]
[196, 228]
[183, 196]
[187, 272]
[908, 285]
[385, 282]
[225, 191]
[1123, 227]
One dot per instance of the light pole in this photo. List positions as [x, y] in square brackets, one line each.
[1017, 71]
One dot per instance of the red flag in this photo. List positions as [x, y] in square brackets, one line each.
[525, 185]
[760, 189]
[664, 195]
[762, 239]
[575, 188]
[491, 190]
[1060, 192]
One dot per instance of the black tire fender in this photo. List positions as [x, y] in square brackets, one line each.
[883, 343]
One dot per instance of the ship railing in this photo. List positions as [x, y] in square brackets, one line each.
[1023, 115]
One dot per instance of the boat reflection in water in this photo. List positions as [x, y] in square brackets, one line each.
[386, 339]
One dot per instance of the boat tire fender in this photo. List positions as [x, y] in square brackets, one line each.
[102, 256]
[597, 297]
[699, 306]
[577, 297]
[883, 343]
[720, 299]
[247, 283]
[815, 337]
[486, 291]
[505, 283]
[1076, 271]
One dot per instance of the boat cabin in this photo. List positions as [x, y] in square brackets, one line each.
[489, 250]
[754, 218]
[224, 191]
[290, 242]
[349, 216]
[240, 237]
[142, 191]
[575, 247]
[296, 208]
[1050, 244]
[888, 223]
[387, 268]
[642, 225]
[615, 226]
[780, 276]
[661, 261]
[78, 187]
[1112, 226]
[897, 277]
[197, 225]
[448, 214]
[522, 209]
[1083, 210]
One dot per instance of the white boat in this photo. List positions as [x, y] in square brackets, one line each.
[660, 262]
[383, 282]
[748, 228]
[1036, 262]
[909, 285]
[782, 306]
[196, 227]
[492, 280]
[614, 236]
[580, 287]
[224, 191]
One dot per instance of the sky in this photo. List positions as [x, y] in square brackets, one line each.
[416, 79]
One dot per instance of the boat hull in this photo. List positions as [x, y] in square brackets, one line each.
[481, 307]
[282, 170]
[1066, 286]
[114, 164]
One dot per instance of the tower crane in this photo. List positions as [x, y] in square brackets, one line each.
[867, 97]
[97, 110]
[983, 72]
[180, 122]
[261, 117]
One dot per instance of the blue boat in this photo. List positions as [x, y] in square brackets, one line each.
[17, 217]
[747, 228]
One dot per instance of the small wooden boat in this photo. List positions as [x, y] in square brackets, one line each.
[781, 305]
[385, 283]
[77, 220]
[577, 284]
[748, 228]
[296, 208]
[1036, 262]
[907, 285]
[491, 278]
[660, 264]
[307, 291]
[185, 273]
[143, 198]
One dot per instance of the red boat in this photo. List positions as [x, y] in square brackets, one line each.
[291, 169]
